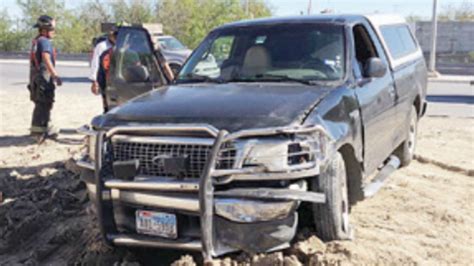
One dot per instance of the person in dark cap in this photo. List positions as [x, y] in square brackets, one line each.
[100, 65]
[43, 78]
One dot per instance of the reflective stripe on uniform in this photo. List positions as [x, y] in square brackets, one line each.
[36, 129]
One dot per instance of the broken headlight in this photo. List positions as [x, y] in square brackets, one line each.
[299, 152]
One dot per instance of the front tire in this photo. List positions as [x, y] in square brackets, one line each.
[406, 151]
[332, 218]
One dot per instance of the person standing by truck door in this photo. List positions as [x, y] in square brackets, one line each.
[43, 76]
[96, 75]
[104, 68]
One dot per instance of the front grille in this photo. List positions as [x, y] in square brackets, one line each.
[226, 156]
[195, 154]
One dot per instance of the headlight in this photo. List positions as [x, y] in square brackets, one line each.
[277, 155]
[269, 153]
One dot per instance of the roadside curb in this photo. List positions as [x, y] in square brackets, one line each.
[59, 63]
[461, 80]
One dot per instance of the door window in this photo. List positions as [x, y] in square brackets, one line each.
[133, 59]
[364, 47]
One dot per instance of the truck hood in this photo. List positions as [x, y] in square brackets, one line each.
[230, 106]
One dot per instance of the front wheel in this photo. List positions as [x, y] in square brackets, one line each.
[332, 218]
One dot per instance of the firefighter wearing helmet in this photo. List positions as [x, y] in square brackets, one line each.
[43, 78]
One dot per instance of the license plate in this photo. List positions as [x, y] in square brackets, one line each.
[156, 223]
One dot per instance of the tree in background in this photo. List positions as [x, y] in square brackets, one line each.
[133, 11]
[10, 40]
[92, 14]
[32, 9]
[191, 20]
[72, 34]
[188, 20]
[463, 11]
[76, 28]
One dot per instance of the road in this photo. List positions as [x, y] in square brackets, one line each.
[14, 76]
[444, 99]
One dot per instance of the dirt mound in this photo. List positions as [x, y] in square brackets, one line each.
[45, 219]
[43, 216]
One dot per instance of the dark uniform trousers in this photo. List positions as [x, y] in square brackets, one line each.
[42, 94]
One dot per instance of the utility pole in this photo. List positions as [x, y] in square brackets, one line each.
[434, 29]
[247, 7]
[309, 7]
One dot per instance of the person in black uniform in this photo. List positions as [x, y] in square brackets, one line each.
[43, 77]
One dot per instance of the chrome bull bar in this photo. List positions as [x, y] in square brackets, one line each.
[206, 198]
[203, 204]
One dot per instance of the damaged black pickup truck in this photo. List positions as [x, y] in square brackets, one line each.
[265, 117]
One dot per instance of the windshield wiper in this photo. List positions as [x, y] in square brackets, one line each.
[192, 77]
[273, 77]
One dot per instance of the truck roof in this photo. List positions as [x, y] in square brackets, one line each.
[375, 19]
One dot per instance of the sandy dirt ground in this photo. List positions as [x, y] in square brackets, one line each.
[424, 215]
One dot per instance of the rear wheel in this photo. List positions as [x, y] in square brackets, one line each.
[406, 151]
[332, 218]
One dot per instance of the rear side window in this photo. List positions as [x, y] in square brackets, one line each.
[399, 40]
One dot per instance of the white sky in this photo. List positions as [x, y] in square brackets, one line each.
[420, 8]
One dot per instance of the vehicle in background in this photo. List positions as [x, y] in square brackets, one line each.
[310, 109]
[208, 67]
[174, 51]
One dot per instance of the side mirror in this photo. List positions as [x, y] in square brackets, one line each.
[134, 74]
[374, 68]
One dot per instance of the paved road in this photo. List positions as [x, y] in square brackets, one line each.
[450, 99]
[14, 76]
[444, 99]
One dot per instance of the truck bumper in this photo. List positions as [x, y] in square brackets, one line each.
[210, 219]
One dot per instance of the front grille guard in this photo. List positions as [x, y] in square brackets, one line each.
[206, 184]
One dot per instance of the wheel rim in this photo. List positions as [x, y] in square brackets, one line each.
[344, 206]
[412, 136]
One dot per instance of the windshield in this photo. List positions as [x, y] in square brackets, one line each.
[170, 43]
[289, 52]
